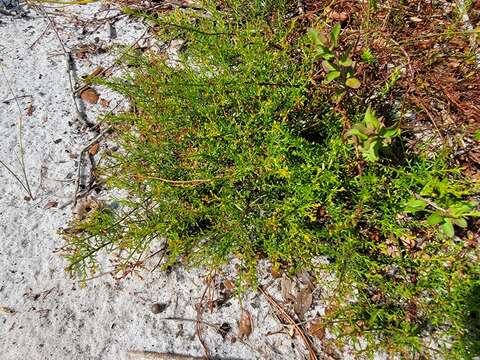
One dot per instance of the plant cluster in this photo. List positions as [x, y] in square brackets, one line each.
[338, 65]
[235, 150]
[373, 135]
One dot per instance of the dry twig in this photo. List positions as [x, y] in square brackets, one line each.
[82, 153]
[306, 340]
[150, 355]
[198, 323]
[70, 67]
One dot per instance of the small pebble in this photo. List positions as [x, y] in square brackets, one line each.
[158, 308]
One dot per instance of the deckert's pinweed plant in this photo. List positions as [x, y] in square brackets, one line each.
[224, 157]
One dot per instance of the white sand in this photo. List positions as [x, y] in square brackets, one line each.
[55, 318]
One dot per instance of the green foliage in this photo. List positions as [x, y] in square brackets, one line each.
[337, 64]
[372, 135]
[215, 167]
[391, 81]
[368, 57]
[443, 206]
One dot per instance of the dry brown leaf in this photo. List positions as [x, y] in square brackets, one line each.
[94, 149]
[307, 279]
[303, 301]
[453, 64]
[81, 53]
[51, 204]
[291, 331]
[229, 284]
[286, 286]
[245, 325]
[89, 95]
[342, 16]
[104, 102]
[276, 273]
[5, 310]
[98, 70]
[317, 329]
[30, 110]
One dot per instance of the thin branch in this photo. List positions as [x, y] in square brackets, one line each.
[177, 182]
[70, 68]
[41, 35]
[100, 247]
[431, 203]
[150, 355]
[79, 169]
[14, 175]
[174, 318]
[289, 319]
[198, 327]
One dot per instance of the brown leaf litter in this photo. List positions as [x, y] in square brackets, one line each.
[317, 329]
[89, 95]
[5, 310]
[94, 149]
[245, 325]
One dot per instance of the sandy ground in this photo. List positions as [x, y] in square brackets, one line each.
[54, 317]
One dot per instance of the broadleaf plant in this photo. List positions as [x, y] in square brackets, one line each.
[372, 135]
[338, 65]
[442, 208]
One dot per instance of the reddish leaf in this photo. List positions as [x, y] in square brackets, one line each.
[104, 102]
[245, 325]
[341, 16]
[30, 110]
[317, 329]
[51, 204]
[229, 284]
[94, 149]
[89, 95]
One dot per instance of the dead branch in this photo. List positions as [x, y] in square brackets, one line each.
[150, 355]
[200, 308]
[298, 329]
[79, 168]
[70, 67]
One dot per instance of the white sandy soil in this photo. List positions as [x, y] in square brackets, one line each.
[55, 318]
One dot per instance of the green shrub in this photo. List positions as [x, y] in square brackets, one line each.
[235, 151]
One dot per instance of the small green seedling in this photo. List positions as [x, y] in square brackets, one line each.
[368, 57]
[372, 135]
[477, 135]
[391, 81]
[338, 65]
